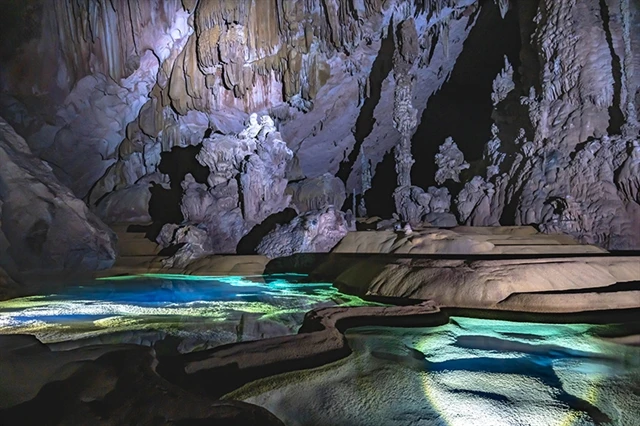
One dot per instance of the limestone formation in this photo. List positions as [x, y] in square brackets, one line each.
[129, 82]
[503, 83]
[366, 177]
[129, 204]
[450, 162]
[313, 232]
[43, 226]
[474, 203]
[317, 193]
[160, 62]
[246, 184]
[492, 154]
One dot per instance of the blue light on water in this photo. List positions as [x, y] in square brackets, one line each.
[169, 302]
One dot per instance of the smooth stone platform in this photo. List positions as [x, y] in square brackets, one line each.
[515, 284]
[507, 268]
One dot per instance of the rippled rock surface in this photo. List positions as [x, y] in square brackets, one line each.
[466, 372]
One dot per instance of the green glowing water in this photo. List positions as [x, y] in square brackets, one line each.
[203, 311]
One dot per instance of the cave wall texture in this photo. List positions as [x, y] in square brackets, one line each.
[104, 90]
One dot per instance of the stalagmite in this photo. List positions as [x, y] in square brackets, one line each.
[405, 118]
[503, 83]
[365, 166]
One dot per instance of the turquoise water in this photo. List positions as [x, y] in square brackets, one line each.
[469, 372]
[141, 309]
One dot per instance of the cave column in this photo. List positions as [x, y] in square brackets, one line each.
[405, 121]
[405, 116]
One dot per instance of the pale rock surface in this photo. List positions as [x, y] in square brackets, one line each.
[246, 184]
[162, 73]
[425, 241]
[130, 204]
[503, 83]
[450, 162]
[317, 193]
[474, 203]
[490, 283]
[44, 227]
[560, 170]
[313, 232]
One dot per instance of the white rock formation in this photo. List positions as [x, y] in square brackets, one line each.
[450, 162]
[246, 185]
[317, 193]
[503, 83]
[314, 232]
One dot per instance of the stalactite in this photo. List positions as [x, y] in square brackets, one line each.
[503, 5]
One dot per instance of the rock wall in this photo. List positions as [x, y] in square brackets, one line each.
[124, 82]
[564, 149]
[43, 227]
[565, 160]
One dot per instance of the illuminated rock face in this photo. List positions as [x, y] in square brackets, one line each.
[246, 184]
[43, 226]
[312, 232]
[564, 161]
[160, 64]
[101, 89]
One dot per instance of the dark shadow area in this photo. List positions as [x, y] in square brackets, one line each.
[249, 242]
[382, 66]
[462, 108]
[164, 206]
[616, 118]
[379, 199]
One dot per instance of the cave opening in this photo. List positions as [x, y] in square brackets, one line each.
[164, 205]
[462, 108]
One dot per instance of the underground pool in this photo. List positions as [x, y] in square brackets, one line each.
[464, 371]
[202, 311]
[467, 372]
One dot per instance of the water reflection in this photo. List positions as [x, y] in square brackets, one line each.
[209, 310]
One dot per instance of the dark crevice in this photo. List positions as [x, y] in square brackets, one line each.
[462, 108]
[164, 205]
[382, 66]
[249, 243]
[379, 199]
[616, 118]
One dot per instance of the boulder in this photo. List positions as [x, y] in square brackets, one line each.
[38, 385]
[312, 232]
[44, 226]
